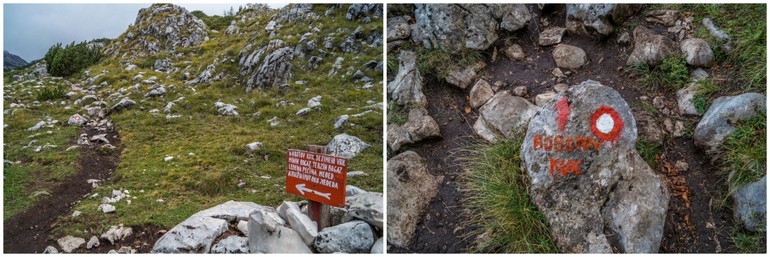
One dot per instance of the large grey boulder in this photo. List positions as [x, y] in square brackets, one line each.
[650, 48]
[419, 127]
[302, 224]
[697, 52]
[410, 189]
[276, 69]
[594, 189]
[453, 27]
[232, 244]
[268, 236]
[367, 206]
[406, 88]
[503, 115]
[351, 237]
[598, 17]
[569, 57]
[346, 146]
[70, 243]
[750, 204]
[716, 124]
[194, 235]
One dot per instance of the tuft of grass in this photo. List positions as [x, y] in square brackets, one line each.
[50, 93]
[499, 200]
[750, 242]
[670, 75]
[701, 103]
[649, 152]
[439, 63]
[745, 151]
[396, 115]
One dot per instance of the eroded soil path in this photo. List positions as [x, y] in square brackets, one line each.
[28, 231]
[695, 222]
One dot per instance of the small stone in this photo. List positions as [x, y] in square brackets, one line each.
[254, 146]
[76, 213]
[520, 91]
[301, 112]
[542, 99]
[93, 242]
[356, 174]
[560, 87]
[340, 121]
[70, 243]
[681, 166]
[514, 53]
[51, 250]
[551, 36]
[168, 158]
[107, 208]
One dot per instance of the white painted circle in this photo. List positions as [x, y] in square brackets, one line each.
[605, 123]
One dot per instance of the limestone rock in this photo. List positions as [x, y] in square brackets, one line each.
[115, 234]
[398, 28]
[410, 189]
[232, 244]
[715, 126]
[93, 242]
[379, 246]
[463, 78]
[194, 235]
[587, 178]
[268, 236]
[406, 88]
[750, 204]
[649, 47]
[569, 57]
[226, 109]
[504, 115]
[76, 120]
[50, 250]
[480, 93]
[663, 17]
[351, 237]
[124, 103]
[542, 99]
[598, 17]
[551, 36]
[367, 206]
[302, 224]
[70, 243]
[419, 127]
[346, 146]
[697, 52]
[515, 53]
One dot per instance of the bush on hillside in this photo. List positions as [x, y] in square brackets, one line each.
[68, 60]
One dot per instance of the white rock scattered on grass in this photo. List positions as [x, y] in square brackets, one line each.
[357, 173]
[254, 146]
[351, 237]
[72, 148]
[37, 126]
[314, 102]
[93, 242]
[301, 112]
[340, 121]
[50, 250]
[107, 208]
[168, 158]
[76, 213]
[70, 243]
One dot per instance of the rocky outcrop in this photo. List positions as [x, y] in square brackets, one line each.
[596, 192]
[410, 189]
[716, 124]
[163, 28]
[453, 27]
[599, 18]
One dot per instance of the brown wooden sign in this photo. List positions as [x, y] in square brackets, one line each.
[316, 176]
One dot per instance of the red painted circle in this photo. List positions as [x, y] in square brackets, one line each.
[613, 134]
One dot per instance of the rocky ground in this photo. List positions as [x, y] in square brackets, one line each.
[532, 56]
[187, 113]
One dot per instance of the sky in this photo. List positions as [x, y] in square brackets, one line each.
[30, 29]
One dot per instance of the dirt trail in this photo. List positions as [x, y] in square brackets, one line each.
[701, 226]
[28, 231]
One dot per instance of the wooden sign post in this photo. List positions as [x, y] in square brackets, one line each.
[318, 177]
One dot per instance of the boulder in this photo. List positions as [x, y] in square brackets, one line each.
[379, 246]
[157, 90]
[194, 235]
[340, 121]
[650, 48]
[314, 102]
[551, 36]
[697, 52]
[715, 126]
[70, 243]
[504, 114]
[124, 103]
[233, 211]
[351, 237]
[419, 127]
[284, 207]
[406, 88]
[226, 109]
[268, 236]
[598, 17]
[569, 57]
[514, 53]
[410, 189]
[301, 223]
[750, 204]
[462, 78]
[398, 28]
[595, 191]
[276, 69]
[346, 146]
[253, 146]
[107, 208]
[232, 244]
[480, 93]
[367, 206]
[93, 242]
[76, 120]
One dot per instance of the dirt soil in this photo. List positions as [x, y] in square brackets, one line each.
[694, 224]
[28, 231]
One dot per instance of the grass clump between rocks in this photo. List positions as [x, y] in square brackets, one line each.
[745, 151]
[649, 152]
[499, 201]
[440, 63]
[671, 74]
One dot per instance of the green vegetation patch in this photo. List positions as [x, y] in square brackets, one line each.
[745, 151]
[649, 152]
[670, 75]
[71, 59]
[500, 203]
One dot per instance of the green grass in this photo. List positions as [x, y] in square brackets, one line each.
[649, 152]
[750, 242]
[396, 114]
[31, 174]
[670, 75]
[701, 103]
[500, 203]
[746, 25]
[439, 63]
[50, 93]
[745, 151]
